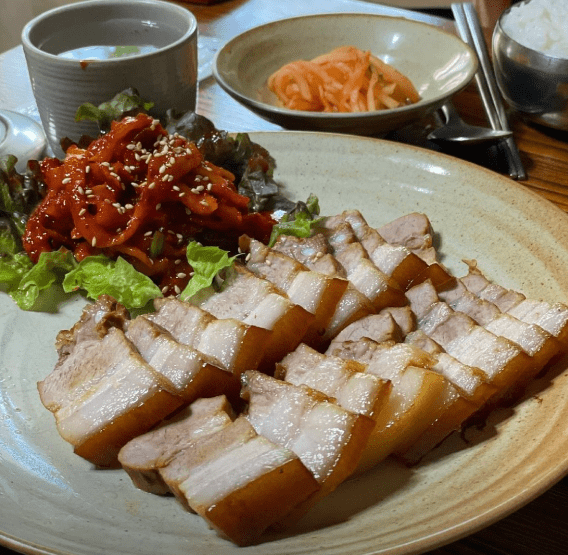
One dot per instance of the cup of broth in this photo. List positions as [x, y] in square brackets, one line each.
[90, 51]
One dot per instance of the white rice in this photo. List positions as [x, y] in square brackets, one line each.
[541, 25]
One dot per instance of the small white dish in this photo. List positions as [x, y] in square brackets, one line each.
[438, 63]
[21, 136]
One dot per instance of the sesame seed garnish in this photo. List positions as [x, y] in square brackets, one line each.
[80, 190]
[131, 146]
[175, 188]
[66, 181]
[164, 289]
[128, 206]
[88, 169]
[158, 206]
[82, 211]
[163, 168]
[181, 275]
[94, 242]
[172, 161]
[148, 233]
[177, 289]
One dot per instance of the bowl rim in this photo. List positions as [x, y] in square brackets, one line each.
[349, 116]
[104, 4]
[553, 60]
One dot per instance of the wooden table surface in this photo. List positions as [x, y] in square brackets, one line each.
[539, 528]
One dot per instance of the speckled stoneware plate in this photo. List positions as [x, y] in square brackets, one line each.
[51, 501]
[438, 63]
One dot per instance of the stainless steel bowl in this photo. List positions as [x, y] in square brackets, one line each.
[533, 83]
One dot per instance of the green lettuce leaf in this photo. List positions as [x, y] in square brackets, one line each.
[125, 103]
[206, 262]
[26, 281]
[299, 222]
[99, 275]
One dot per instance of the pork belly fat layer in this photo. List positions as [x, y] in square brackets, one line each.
[318, 293]
[128, 401]
[328, 439]
[255, 301]
[343, 380]
[239, 482]
[193, 374]
[233, 344]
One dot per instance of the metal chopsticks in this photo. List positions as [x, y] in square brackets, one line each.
[469, 28]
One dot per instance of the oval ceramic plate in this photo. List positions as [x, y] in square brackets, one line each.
[54, 502]
[438, 64]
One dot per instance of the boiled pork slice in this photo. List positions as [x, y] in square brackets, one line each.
[235, 346]
[379, 327]
[255, 301]
[379, 288]
[239, 481]
[395, 261]
[536, 342]
[95, 321]
[104, 394]
[327, 438]
[418, 397]
[414, 231]
[318, 293]
[345, 381]
[503, 361]
[143, 456]
[192, 373]
[552, 317]
[312, 252]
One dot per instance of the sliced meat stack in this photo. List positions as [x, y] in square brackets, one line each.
[304, 363]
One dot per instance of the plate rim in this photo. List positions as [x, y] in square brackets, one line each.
[513, 503]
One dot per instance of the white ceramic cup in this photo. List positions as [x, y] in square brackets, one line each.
[160, 42]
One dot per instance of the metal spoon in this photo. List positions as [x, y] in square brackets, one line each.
[455, 130]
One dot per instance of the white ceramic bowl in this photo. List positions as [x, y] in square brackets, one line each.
[159, 37]
[438, 64]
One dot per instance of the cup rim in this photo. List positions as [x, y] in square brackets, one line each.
[104, 4]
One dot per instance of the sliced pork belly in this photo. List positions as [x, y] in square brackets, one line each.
[379, 327]
[395, 261]
[234, 345]
[192, 373]
[312, 252]
[540, 345]
[472, 382]
[238, 481]
[95, 321]
[553, 318]
[417, 399]
[255, 301]
[414, 231]
[343, 380]
[318, 293]
[108, 398]
[379, 288]
[143, 456]
[327, 438]
[503, 361]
